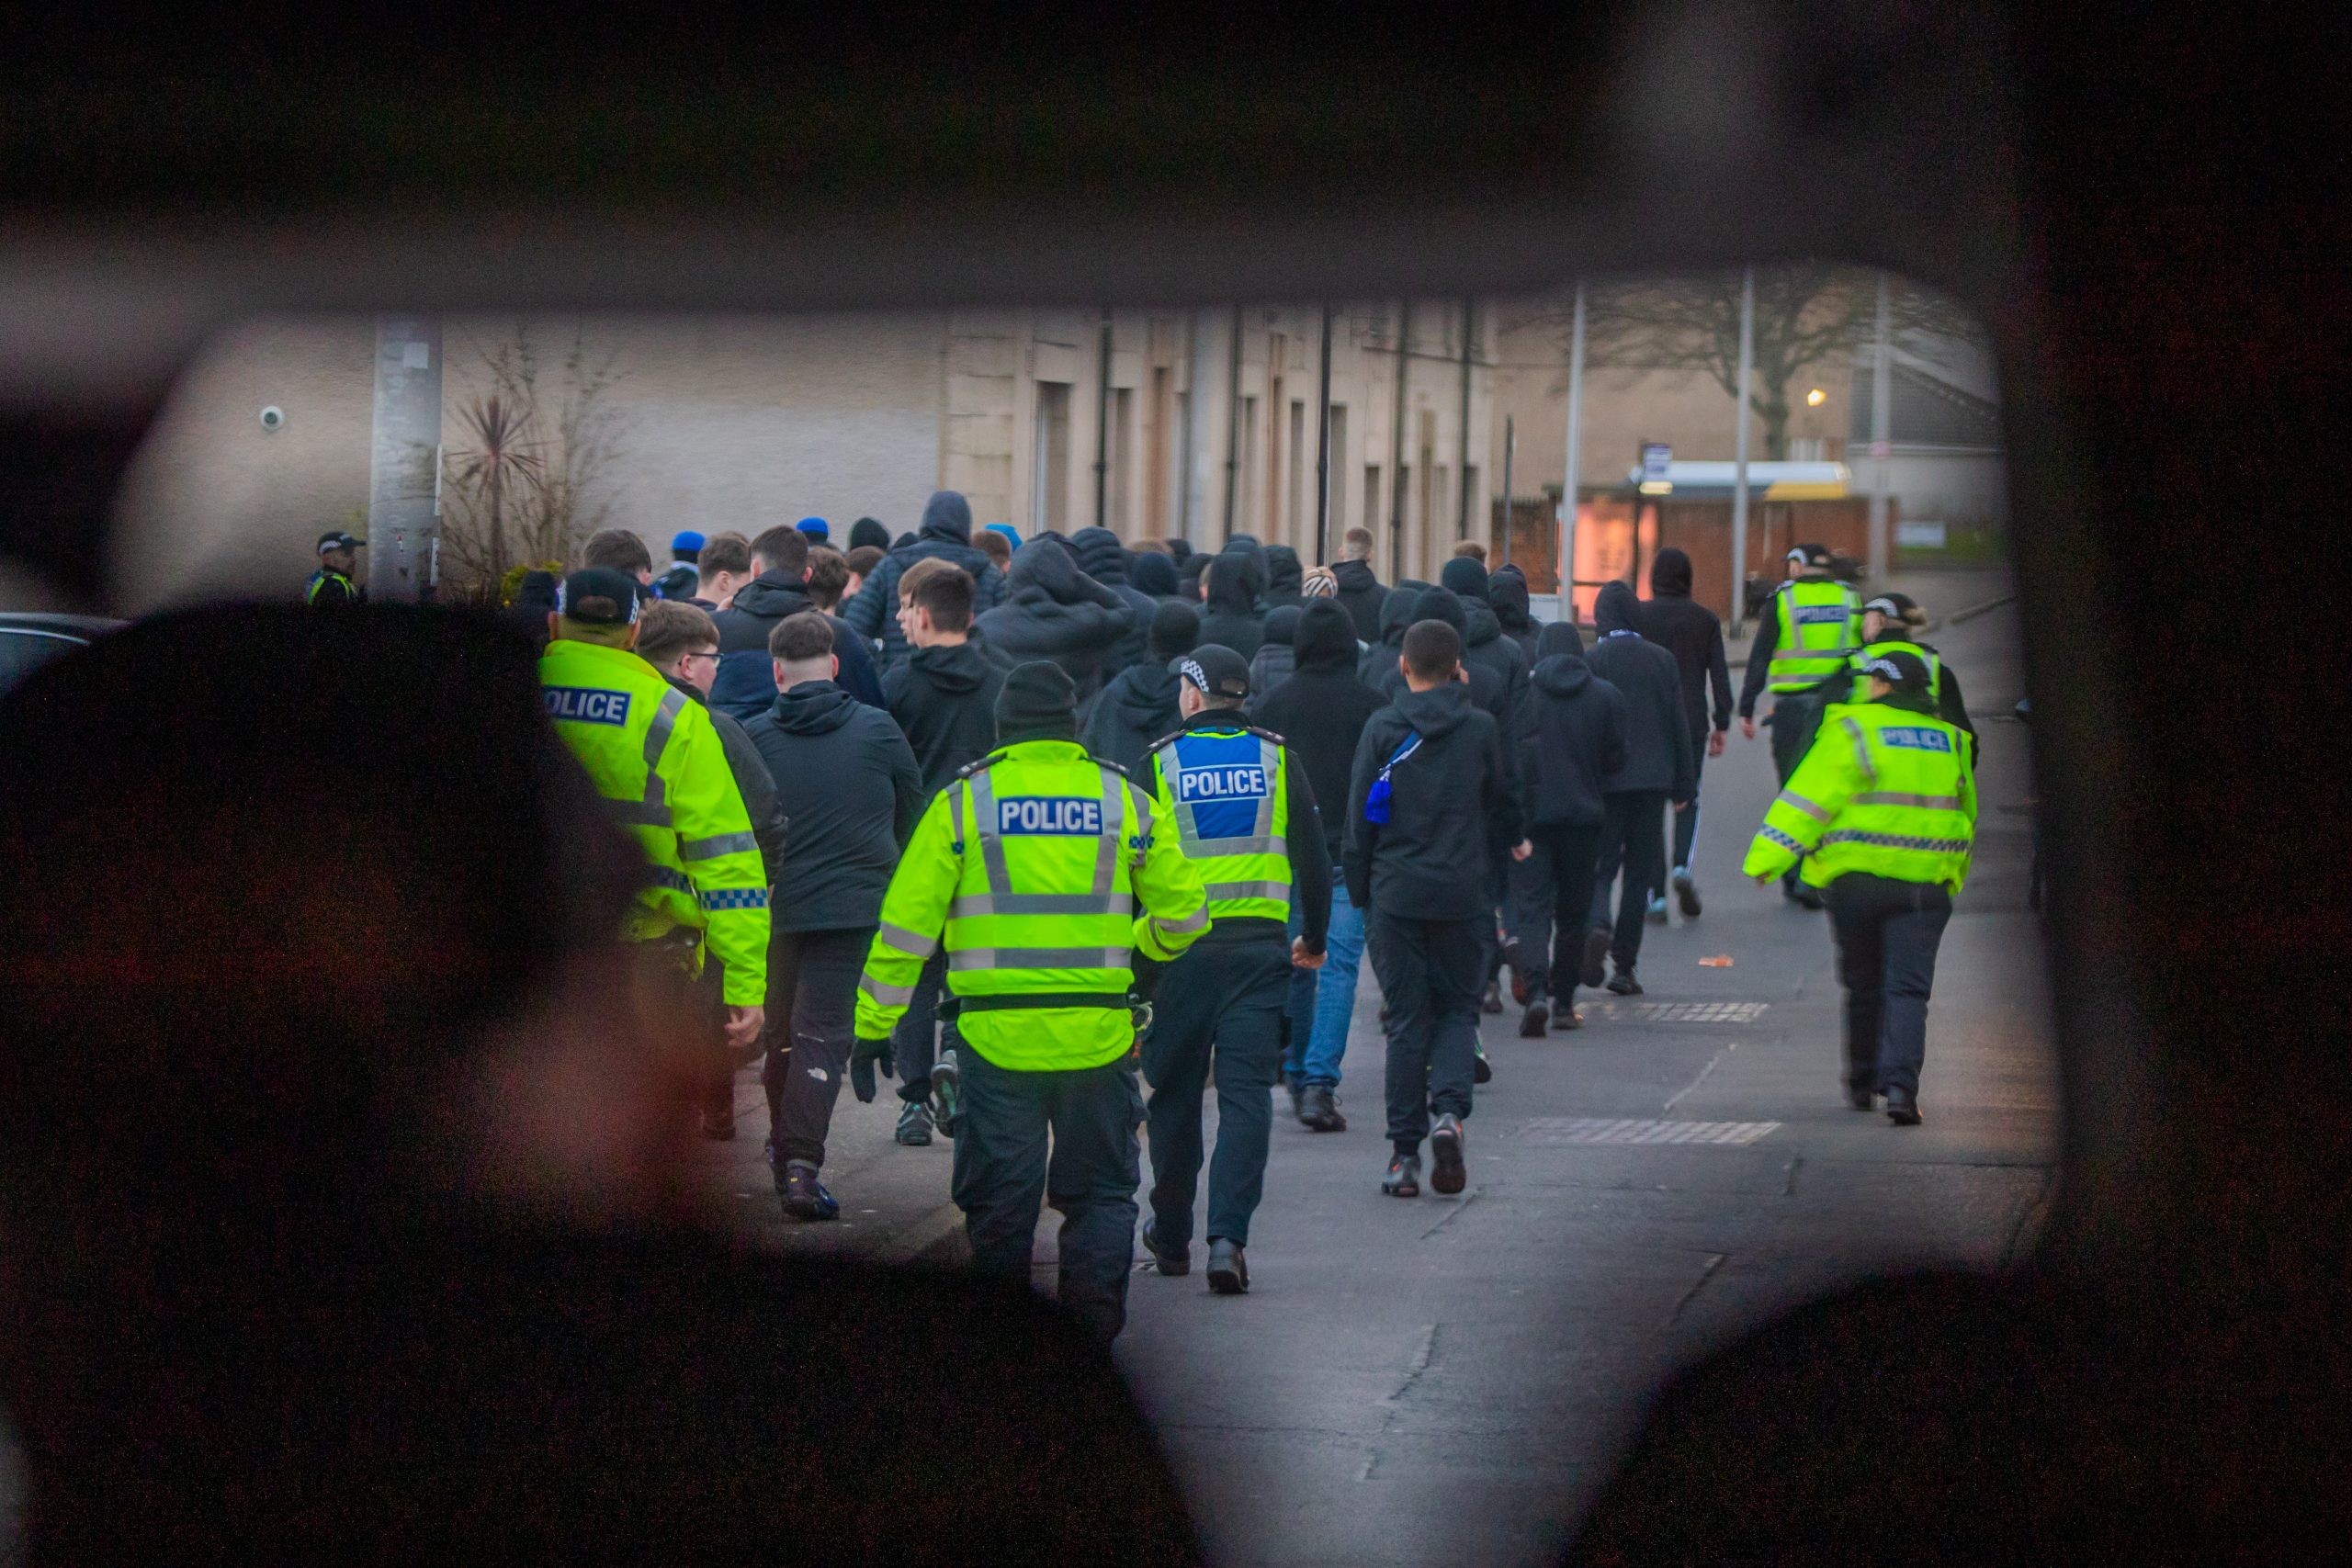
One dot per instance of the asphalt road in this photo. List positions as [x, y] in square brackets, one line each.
[1449, 1378]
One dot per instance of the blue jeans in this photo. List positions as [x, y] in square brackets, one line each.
[1323, 1001]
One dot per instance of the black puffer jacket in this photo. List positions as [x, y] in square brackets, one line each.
[1103, 558]
[1285, 577]
[1056, 611]
[1321, 710]
[1360, 596]
[848, 782]
[745, 686]
[1571, 734]
[946, 532]
[944, 701]
[1692, 633]
[1659, 753]
[1274, 662]
[1230, 614]
[1452, 806]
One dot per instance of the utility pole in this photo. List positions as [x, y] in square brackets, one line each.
[404, 461]
[1511, 440]
[1740, 446]
[1323, 449]
[1396, 446]
[1103, 427]
[1575, 459]
[1462, 463]
[1882, 437]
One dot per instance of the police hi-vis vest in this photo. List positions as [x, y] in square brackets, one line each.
[1820, 626]
[1884, 790]
[1225, 789]
[325, 575]
[661, 769]
[1029, 868]
[1868, 651]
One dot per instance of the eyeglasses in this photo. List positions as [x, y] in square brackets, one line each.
[711, 654]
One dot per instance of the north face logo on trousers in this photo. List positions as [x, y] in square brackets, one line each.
[1071, 815]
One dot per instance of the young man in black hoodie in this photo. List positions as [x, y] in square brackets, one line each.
[1320, 713]
[1103, 558]
[1484, 645]
[1360, 592]
[947, 534]
[1658, 769]
[1054, 611]
[850, 785]
[1694, 635]
[1571, 734]
[943, 697]
[1139, 706]
[1428, 798]
[745, 686]
[1230, 614]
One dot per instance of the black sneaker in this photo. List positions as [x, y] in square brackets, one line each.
[805, 1197]
[1686, 892]
[1568, 1018]
[1320, 1111]
[1859, 1099]
[1491, 1001]
[1299, 1099]
[1481, 1070]
[1445, 1148]
[1404, 1178]
[1228, 1271]
[1622, 984]
[1595, 952]
[1168, 1263]
[1903, 1107]
[1535, 1021]
[914, 1124]
[947, 1093]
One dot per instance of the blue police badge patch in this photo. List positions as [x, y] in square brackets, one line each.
[584, 705]
[1915, 739]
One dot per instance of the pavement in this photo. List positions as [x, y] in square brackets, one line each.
[1451, 1378]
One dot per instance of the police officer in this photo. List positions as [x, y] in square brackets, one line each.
[1814, 627]
[1882, 812]
[1042, 870]
[660, 768]
[1240, 807]
[332, 583]
[1888, 622]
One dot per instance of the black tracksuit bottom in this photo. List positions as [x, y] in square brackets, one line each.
[1430, 973]
[1633, 836]
[1554, 890]
[812, 1006]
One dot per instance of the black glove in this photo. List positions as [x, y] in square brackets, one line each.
[863, 1055]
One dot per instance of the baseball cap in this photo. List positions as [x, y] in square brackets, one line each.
[1810, 554]
[1906, 672]
[336, 540]
[1217, 669]
[598, 596]
[815, 527]
[1895, 606]
[685, 542]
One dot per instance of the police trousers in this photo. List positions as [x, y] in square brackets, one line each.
[1887, 935]
[1220, 1002]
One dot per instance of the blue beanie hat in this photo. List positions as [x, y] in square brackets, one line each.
[685, 543]
[815, 527]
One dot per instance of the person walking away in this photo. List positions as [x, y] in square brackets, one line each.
[1813, 629]
[1054, 611]
[1229, 613]
[1484, 645]
[850, 785]
[1572, 736]
[1038, 871]
[1658, 769]
[1507, 596]
[618, 549]
[861, 560]
[867, 532]
[331, 585]
[1427, 791]
[680, 642]
[1358, 593]
[1321, 714]
[1139, 707]
[683, 574]
[746, 683]
[1285, 577]
[1153, 575]
[1888, 624]
[943, 697]
[1694, 635]
[724, 565]
[1882, 813]
[1242, 809]
[1274, 659]
[944, 534]
[1101, 557]
[1376, 666]
[655, 755]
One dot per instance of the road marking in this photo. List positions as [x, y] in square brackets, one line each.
[1679, 1012]
[1639, 1130]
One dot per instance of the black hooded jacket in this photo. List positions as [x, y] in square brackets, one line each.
[1103, 558]
[1452, 805]
[1057, 611]
[1274, 659]
[1321, 709]
[1571, 734]
[1154, 575]
[848, 781]
[1487, 689]
[1659, 750]
[1507, 596]
[1692, 634]
[1135, 709]
[944, 700]
[745, 686]
[1360, 596]
[1387, 639]
[1482, 642]
[1230, 614]
[1285, 577]
[946, 532]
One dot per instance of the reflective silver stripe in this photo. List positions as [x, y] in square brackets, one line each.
[887, 996]
[1270, 760]
[1188, 832]
[1198, 920]
[1114, 819]
[983, 797]
[1223, 892]
[657, 740]
[1038, 958]
[906, 941]
[1897, 842]
[1862, 748]
[716, 845]
[972, 906]
[638, 813]
[1791, 798]
[1888, 797]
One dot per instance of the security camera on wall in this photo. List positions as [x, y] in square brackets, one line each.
[272, 417]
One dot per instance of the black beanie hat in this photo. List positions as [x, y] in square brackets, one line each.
[869, 531]
[1175, 628]
[1038, 702]
[1465, 577]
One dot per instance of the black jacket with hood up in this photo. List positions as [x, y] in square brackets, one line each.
[1274, 659]
[944, 700]
[1321, 709]
[848, 781]
[1452, 806]
[1692, 634]
[1103, 558]
[1285, 577]
[745, 686]
[1658, 751]
[1379, 661]
[1230, 614]
[1360, 596]
[1571, 734]
[945, 532]
[1056, 611]
[1507, 596]
[1482, 642]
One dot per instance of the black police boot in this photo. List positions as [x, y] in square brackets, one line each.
[1903, 1107]
[1228, 1271]
[1169, 1263]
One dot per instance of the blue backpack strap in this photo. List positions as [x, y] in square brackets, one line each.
[1376, 799]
